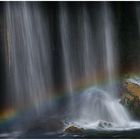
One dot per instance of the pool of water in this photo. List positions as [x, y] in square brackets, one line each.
[134, 133]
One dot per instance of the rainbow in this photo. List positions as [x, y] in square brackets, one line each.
[10, 115]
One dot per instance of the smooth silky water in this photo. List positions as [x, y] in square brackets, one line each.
[28, 53]
[28, 56]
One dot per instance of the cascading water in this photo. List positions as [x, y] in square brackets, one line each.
[28, 56]
[98, 104]
[87, 50]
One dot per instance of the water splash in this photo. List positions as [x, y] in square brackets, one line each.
[99, 106]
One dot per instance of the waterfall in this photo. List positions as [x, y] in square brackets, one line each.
[28, 56]
[88, 51]
[97, 104]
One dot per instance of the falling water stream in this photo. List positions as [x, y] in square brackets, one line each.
[29, 58]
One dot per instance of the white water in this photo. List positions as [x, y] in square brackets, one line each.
[99, 105]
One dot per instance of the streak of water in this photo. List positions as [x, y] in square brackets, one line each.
[29, 67]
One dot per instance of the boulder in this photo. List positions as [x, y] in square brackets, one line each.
[73, 129]
[131, 97]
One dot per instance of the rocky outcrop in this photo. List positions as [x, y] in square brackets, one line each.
[73, 129]
[131, 97]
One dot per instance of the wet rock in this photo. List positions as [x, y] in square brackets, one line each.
[131, 97]
[104, 124]
[73, 129]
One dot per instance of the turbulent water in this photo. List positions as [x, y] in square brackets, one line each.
[88, 50]
[105, 111]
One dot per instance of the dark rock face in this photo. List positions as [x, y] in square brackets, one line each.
[73, 129]
[131, 98]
